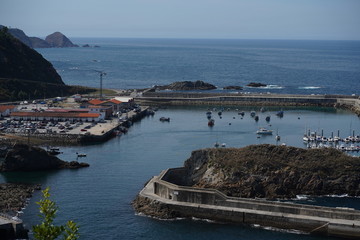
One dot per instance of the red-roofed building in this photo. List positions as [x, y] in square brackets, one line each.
[96, 102]
[5, 110]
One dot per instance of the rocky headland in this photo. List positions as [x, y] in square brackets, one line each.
[269, 171]
[263, 171]
[22, 157]
[187, 85]
[55, 39]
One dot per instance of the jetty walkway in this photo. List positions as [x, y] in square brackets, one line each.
[203, 98]
[214, 205]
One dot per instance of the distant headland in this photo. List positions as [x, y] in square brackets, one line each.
[54, 40]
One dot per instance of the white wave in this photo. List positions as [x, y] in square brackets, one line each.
[202, 219]
[74, 68]
[302, 197]
[338, 196]
[273, 87]
[279, 229]
[309, 87]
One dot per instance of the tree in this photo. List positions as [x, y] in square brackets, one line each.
[47, 230]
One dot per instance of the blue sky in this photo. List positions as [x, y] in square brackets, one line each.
[242, 19]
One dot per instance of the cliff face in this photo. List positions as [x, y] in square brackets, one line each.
[57, 39]
[19, 61]
[269, 171]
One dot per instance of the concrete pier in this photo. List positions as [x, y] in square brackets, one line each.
[214, 205]
[195, 98]
[11, 228]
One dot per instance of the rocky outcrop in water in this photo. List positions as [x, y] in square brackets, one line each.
[57, 39]
[187, 85]
[256, 85]
[269, 171]
[23, 157]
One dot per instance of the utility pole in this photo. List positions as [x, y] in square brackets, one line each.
[102, 73]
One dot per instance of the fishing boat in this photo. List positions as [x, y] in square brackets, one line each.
[165, 119]
[280, 114]
[264, 131]
[53, 151]
[211, 122]
[81, 154]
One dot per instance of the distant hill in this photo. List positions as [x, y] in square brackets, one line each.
[55, 39]
[24, 73]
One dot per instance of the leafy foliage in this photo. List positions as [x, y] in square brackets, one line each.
[47, 230]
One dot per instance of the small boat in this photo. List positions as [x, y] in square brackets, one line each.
[264, 131]
[54, 151]
[223, 145]
[164, 119]
[220, 113]
[216, 145]
[241, 113]
[211, 122]
[277, 138]
[267, 118]
[280, 114]
[262, 109]
[81, 154]
[256, 118]
[252, 113]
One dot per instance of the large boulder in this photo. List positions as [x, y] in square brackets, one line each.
[188, 85]
[23, 157]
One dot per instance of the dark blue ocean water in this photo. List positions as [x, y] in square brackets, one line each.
[305, 67]
[99, 198]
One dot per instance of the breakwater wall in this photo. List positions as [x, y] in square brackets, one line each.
[11, 228]
[178, 98]
[214, 205]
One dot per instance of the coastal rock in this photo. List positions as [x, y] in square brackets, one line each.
[13, 196]
[233, 88]
[256, 85]
[57, 39]
[187, 85]
[268, 171]
[23, 157]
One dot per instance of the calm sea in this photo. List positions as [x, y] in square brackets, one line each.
[99, 198]
[305, 67]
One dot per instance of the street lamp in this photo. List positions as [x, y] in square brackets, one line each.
[102, 73]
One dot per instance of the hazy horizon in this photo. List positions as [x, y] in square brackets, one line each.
[181, 19]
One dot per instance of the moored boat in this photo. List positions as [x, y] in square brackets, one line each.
[264, 131]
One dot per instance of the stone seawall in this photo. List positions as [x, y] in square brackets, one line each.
[164, 199]
[175, 98]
